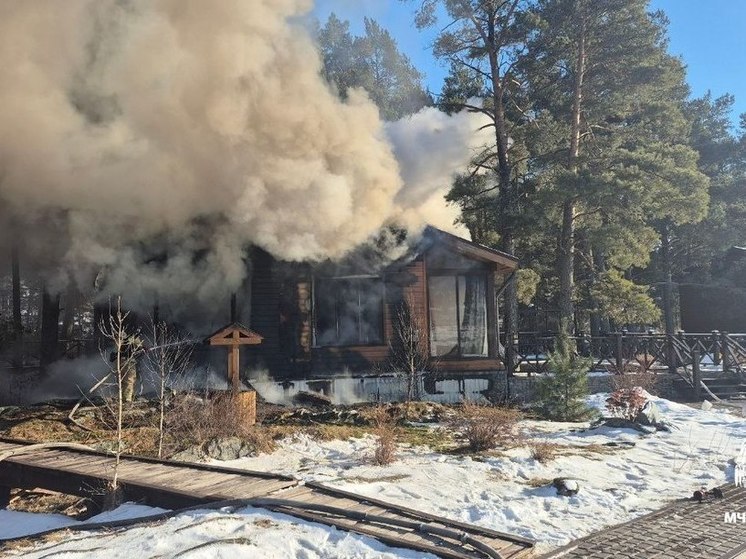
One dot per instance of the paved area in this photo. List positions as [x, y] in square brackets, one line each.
[682, 530]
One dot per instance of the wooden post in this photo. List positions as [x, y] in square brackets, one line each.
[716, 352]
[725, 349]
[696, 375]
[671, 359]
[244, 404]
[4, 496]
[619, 352]
[234, 336]
[234, 367]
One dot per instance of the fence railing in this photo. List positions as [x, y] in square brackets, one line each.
[624, 351]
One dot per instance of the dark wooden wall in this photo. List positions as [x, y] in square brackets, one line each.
[712, 307]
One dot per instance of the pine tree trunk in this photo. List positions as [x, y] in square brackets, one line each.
[50, 317]
[70, 303]
[567, 266]
[668, 310]
[597, 260]
[16, 289]
[567, 235]
[506, 197]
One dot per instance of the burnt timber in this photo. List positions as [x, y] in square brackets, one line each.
[168, 484]
[322, 320]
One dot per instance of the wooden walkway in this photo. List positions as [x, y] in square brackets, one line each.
[682, 530]
[177, 485]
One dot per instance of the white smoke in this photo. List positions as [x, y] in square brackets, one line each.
[158, 139]
[430, 147]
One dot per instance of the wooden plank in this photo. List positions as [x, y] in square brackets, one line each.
[66, 463]
[384, 536]
[422, 515]
[181, 485]
[233, 484]
[262, 490]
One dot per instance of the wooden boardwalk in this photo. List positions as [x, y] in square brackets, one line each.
[682, 530]
[175, 485]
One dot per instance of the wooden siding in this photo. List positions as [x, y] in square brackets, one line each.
[265, 313]
[286, 356]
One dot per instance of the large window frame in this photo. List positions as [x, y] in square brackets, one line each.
[320, 340]
[455, 275]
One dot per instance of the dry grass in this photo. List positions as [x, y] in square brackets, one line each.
[486, 427]
[385, 431]
[543, 451]
[538, 482]
[194, 421]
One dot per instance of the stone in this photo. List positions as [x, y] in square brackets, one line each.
[650, 415]
[566, 487]
[228, 448]
[192, 454]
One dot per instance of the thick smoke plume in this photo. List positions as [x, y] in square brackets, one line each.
[157, 139]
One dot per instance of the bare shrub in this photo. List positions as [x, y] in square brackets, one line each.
[626, 402]
[195, 419]
[409, 348]
[127, 348]
[643, 379]
[543, 451]
[385, 430]
[485, 426]
[167, 361]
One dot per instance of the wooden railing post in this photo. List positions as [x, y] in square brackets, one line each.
[696, 375]
[725, 350]
[619, 352]
[4, 496]
[511, 341]
[716, 352]
[671, 360]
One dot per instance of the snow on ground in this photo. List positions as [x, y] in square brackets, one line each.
[627, 475]
[498, 491]
[14, 524]
[247, 532]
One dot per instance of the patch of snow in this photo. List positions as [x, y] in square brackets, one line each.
[247, 532]
[622, 475]
[14, 524]
[125, 512]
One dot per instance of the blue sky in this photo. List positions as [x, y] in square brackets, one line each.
[709, 35]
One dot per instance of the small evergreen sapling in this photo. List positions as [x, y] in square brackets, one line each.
[561, 393]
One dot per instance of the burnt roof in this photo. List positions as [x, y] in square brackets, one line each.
[470, 249]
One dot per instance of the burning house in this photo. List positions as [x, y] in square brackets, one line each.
[320, 321]
[155, 177]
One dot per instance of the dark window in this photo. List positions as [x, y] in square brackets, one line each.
[458, 315]
[348, 311]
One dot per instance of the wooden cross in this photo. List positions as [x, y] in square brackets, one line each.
[234, 336]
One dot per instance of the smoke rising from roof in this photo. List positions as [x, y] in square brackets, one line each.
[157, 139]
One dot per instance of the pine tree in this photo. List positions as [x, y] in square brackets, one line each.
[613, 163]
[372, 62]
[561, 393]
[483, 41]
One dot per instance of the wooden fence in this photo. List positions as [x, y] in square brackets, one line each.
[636, 351]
